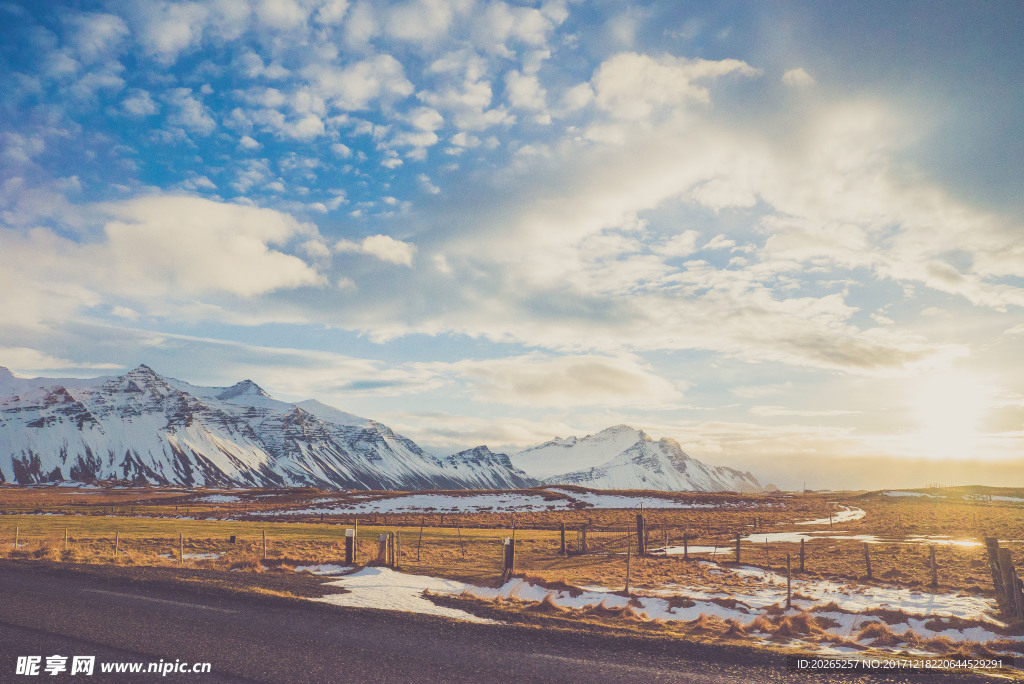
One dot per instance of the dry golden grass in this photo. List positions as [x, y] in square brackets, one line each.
[468, 546]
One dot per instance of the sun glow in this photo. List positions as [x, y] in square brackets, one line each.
[950, 407]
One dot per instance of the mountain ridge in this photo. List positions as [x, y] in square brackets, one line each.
[144, 427]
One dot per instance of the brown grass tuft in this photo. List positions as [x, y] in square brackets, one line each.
[880, 634]
[801, 624]
[708, 623]
[547, 606]
[735, 629]
[762, 624]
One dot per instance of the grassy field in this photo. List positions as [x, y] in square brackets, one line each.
[467, 546]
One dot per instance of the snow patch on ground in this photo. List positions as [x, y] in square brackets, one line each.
[385, 589]
[441, 503]
[219, 498]
[472, 503]
[323, 569]
[848, 514]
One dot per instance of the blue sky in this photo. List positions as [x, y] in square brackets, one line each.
[788, 235]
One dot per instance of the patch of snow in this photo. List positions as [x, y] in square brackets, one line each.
[848, 514]
[930, 496]
[441, 503]
[386, 589]
[219, 498]
[323, 569]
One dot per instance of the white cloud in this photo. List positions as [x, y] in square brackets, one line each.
[97, 36]
[25, 360]
[139, 103]
[164, 255]
[357, 86]
[568, 381]
[281, 13]
[798, 78]
[332, 12]
[189, 112]
[185, 245]
[777, 411]
[166, 29]
[634, 86]
[383, 247]
[525, 92]
[422, 21]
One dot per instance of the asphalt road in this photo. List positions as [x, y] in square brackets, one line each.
[255, 640]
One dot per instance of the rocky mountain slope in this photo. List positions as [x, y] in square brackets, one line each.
[622, 457]
[146, 428]
[143, 427]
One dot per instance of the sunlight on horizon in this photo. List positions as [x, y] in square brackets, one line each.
[950, 407]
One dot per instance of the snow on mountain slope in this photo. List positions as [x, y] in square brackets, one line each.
[561, 456]
[331, 414]
[142, 427]
[482, 465]
[146, 428]
[622, 457]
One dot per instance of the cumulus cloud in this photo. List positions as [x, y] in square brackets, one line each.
[354, 87]
[383, 247]
[187, 245]
[189, 113]
[156, 251]
[798, 78]
[636, 86]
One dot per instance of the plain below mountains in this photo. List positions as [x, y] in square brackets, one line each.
[145, 428]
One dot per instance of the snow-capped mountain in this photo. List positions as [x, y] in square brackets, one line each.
[483, 466]
[622, 457]
[146, 428]
[143, 427]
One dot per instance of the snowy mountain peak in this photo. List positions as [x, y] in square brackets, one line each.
[143, 427]
[245, 388]
[486, 466]
[623, 457]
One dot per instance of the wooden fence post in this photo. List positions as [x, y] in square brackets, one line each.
[801, 554]
[867, 559]
[686, 547]
[509, 559]
[561, 529]
[350, 547]
[992, 547]
[641, 536]
[934, 567]
[629, 547]
[355, 540]
[1009, 585]
[737, 548]
[181, 548]
[420, 542]
[264, 545]
[583, 540]
[398, 550]
[789, 583]
[117, 542]
[65, 539]
[17, 534]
